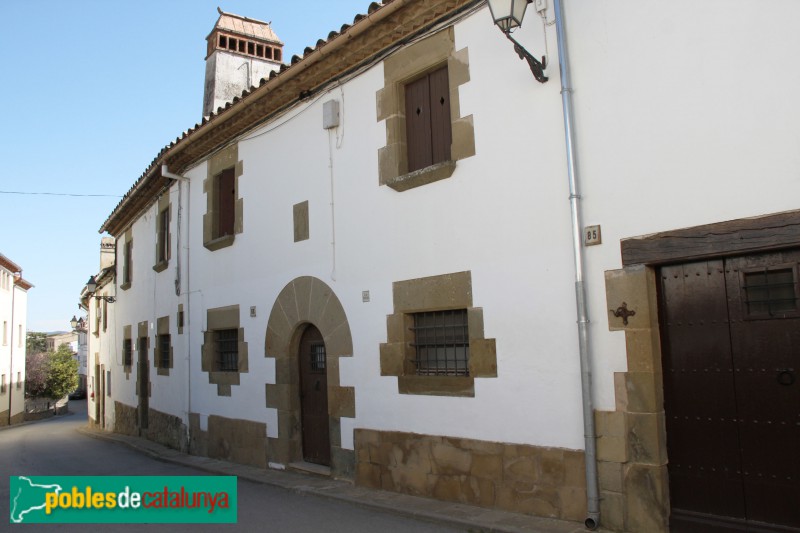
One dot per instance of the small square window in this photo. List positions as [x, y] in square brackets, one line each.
[770, 292]
[441, 343]
[317, 357]
[227, 350]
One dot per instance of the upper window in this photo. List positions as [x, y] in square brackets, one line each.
[163, 251]
[225, 192]
[441, 343]
[127, 263]
[419, 103]
[428, 131]
[225, 207]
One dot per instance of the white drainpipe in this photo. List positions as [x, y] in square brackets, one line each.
[180, 179]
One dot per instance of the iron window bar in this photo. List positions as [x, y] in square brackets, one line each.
[441, 343]
[163, 351]
[227, 350]
[127, 352]
[770, 291]
[317, 357]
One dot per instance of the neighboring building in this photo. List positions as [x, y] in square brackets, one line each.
[14, 318]
[101, 334]
[56, 339]
[367, 263]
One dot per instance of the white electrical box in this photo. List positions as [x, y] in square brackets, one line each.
[541, 5]
[330, 114]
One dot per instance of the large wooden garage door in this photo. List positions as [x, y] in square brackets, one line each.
[731, 357]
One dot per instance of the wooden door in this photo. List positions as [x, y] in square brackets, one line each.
[314, 397]
[731, 351]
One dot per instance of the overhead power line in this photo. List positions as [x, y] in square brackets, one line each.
[63, 194]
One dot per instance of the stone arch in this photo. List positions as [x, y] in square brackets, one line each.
[308, 300]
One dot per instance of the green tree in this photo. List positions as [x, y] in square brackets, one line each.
[62, 375]
[36, 342]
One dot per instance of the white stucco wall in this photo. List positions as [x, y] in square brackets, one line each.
[13, 317]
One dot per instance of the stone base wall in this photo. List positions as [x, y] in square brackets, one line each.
[167, 429]
[239, 441]
[548, 482]
[126, 419]
[15, 419]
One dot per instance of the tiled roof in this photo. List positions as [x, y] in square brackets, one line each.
[246, 26]
[9, 264]
[386, 24]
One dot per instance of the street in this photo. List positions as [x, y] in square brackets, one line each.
[54, 447]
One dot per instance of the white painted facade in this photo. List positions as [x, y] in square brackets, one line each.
[685, 115]
[13, 337]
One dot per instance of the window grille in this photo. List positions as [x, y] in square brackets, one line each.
[127, 352]
[318, 357]
[163, 351]
[227, 341]
[441, 342]
[770, 292]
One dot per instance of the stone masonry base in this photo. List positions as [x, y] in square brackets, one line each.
[548, 482]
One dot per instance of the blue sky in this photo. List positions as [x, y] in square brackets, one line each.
[91, 91]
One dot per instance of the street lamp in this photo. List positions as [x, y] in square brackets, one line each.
[91, 286]
[508, 15]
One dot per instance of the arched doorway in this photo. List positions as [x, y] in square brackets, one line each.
[314, 424]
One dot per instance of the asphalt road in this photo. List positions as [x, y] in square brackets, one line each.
[54, 447]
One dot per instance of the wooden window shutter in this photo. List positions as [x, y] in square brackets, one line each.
[226, 203]
[428, 130]
[441, 136]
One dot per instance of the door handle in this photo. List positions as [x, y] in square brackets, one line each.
[786, 377]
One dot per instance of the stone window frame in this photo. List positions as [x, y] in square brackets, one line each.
[227, 158]
[127, 260]
[163, 219]
[162, 328]
[435, 293]
[221, 318]
[301, 221]
[405, 66]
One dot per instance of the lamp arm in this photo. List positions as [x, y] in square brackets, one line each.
[536, 66]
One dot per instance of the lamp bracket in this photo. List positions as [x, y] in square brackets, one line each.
[537, 67]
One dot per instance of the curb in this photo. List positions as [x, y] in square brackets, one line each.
[471, 518]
